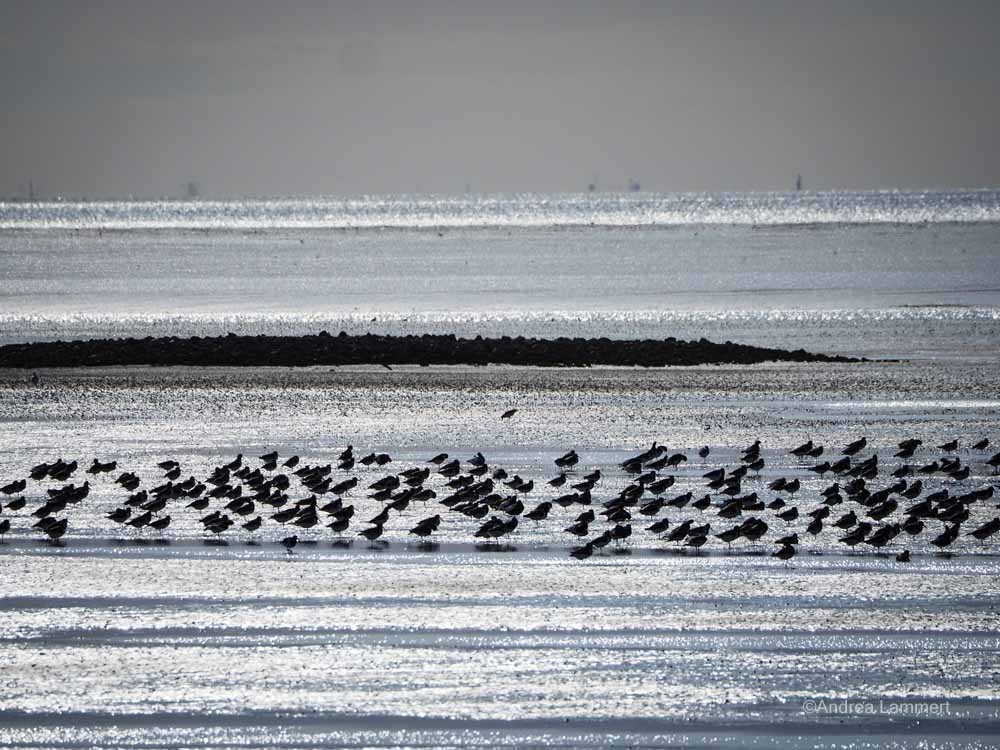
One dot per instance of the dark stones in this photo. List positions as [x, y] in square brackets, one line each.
[322, 349]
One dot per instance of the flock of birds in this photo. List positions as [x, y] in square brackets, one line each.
[239, 498]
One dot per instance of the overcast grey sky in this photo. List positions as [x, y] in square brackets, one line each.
[119, 97]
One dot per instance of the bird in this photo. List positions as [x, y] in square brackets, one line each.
[540, 512]
[660, 526]
[697, 541]
[621, 532]
[730, 535]
[508, 414]
[289, 543]
[855, 537]
[372, 533]
[141, 520]
[846, 521]
[680, 532]
[803, 449]
[56, 530]
[253, 524]
[567, 460]
[987, 530]
[852, 448]
[789, 515]
[120, 515]
[601, 541]
[787, 552]
[160, 523]
[946, 537]
[427, 526]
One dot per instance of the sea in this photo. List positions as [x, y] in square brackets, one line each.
[127, 638]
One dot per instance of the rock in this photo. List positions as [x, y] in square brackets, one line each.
[323, 349]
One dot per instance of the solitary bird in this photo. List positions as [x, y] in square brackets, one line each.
[508, 414]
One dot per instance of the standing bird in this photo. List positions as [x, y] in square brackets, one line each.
[787, 552]
[946, 537]
[567, 460]
[160, 523]
[253, 524]
[540, 512]
[851, 448]
[372, 534]
[426, 527]
[803, 449]
[289, 543]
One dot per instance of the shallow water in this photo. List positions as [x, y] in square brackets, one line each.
[447, 649]
[173, 640]
[910, 275]
[119, 638]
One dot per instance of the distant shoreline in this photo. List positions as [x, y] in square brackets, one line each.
[343, 349]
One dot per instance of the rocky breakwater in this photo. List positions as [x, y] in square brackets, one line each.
[369, 349]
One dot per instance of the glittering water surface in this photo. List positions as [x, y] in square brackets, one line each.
[910, 275]
[520, 210]
[175, 639]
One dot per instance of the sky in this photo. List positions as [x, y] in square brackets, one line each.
[251, 97]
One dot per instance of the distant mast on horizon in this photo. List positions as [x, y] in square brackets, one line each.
[798, 183]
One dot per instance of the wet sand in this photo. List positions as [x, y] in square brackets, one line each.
[405, 649]
[129, 639]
